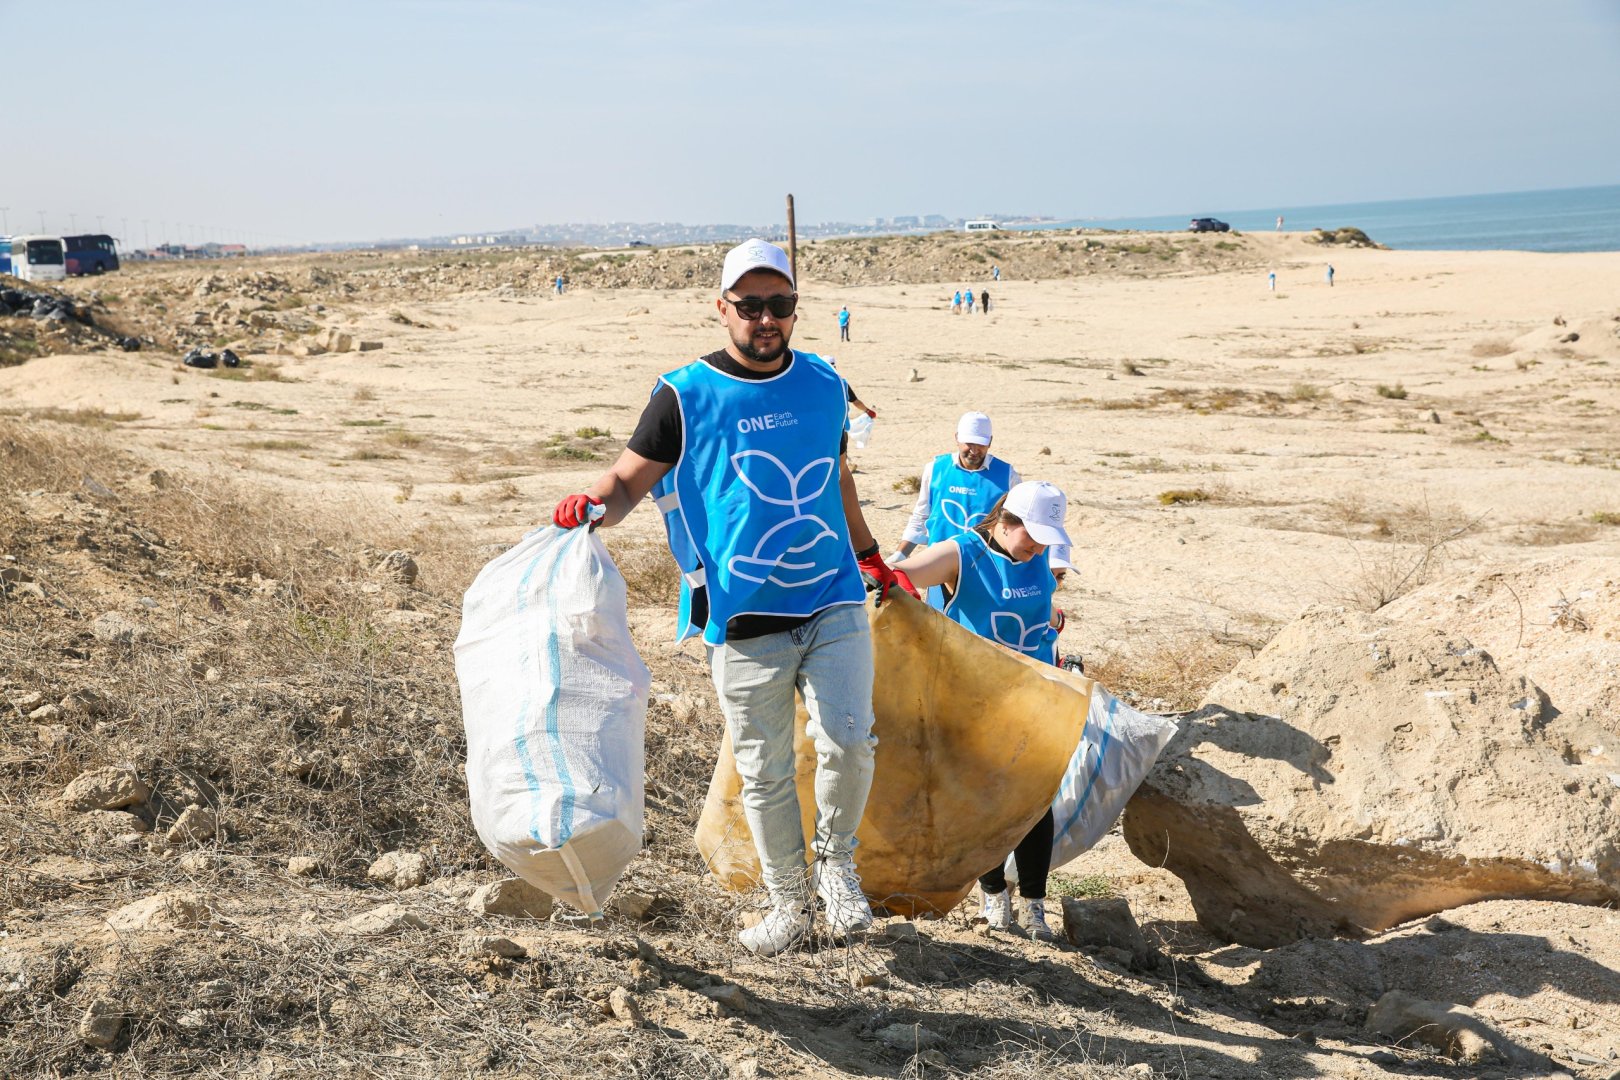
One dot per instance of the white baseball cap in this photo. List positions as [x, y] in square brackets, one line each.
[974, 427]
[1057, 556]
[754, 254]
[1041, 507]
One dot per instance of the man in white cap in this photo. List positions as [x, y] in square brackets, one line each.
[743, 450]
[958, 489]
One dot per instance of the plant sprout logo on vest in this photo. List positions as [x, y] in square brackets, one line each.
[958, 516]
[1007, 592]
[1007, 628]
[766, 422]
[801, 549]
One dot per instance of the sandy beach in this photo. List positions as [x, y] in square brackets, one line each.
[1271, 408]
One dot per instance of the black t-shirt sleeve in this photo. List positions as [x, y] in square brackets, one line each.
[849, 392]
[658, 433]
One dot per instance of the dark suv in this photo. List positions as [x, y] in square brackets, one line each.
[1209, 224]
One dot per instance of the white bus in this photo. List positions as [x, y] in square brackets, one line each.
[979, 226]
[38, 258]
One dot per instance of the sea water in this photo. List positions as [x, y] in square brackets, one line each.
[1572, 219]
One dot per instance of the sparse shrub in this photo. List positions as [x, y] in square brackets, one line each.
[408, 440]
[1398, 392]
[1306, 392]
[1605, 517]
[593, 433]
[1179, 496]
[276, 444]
[1419, 538]
[363, 394]
[1485, 350]
[908, 485]
[1172, 670]
[1090, 887]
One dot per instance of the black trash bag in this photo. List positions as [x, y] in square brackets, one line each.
[43, 306]
[200, 358]
[12, 300]
[130, 344]
[230, 359]
[1074, 663]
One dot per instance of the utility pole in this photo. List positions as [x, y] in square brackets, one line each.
[793, 243]
[42, 221]
[146, 232]
[73, 222]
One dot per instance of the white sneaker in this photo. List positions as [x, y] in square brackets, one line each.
[839, 886]
[784, 926]
[997, 910]
[1035, 919]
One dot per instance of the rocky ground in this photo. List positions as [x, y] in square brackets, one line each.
[239, 841]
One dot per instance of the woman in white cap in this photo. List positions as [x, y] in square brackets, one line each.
[999, 584]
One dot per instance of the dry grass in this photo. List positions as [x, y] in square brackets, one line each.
[253, 371]
[907, 485]
[1554, 533]
[1397, 392]
[1182, 496]
[650, 573]
[276, 444]
[1170, 671]
[1414, 547]
[81, 417]
[1494, 347]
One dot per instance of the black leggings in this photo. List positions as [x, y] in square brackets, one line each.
[1034, 857]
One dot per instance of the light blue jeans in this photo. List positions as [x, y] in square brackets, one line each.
[829, 661]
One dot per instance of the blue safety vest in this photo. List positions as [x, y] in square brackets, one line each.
[1006, 601]
[753, 508]
[961, 499]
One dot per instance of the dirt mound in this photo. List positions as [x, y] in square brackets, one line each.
[1543, 975]
[1361, 771]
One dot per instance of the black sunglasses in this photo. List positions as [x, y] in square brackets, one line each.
[752, 307]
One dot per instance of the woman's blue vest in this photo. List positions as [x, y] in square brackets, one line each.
[753, 508]
[1003, 600]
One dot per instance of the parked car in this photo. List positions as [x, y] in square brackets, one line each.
[1209, 224]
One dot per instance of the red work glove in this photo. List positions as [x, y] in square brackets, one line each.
[872, 413]
[574, 511]
[884, 577]
[1059, 620]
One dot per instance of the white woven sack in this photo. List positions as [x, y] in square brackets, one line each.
[554, 699]
[1117, 748]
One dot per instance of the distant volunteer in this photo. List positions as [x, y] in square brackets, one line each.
[998, 582]
[957, 488]
[743, 450]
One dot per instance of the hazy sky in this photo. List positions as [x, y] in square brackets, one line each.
[348, 120]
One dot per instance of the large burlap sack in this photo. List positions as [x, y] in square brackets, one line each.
[973, 740]
[554, 697]
[1117, 748]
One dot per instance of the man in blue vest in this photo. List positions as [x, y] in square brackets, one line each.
[958, 488]
[743, 450]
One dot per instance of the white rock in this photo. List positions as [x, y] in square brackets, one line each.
[511, 896]
[401, 869]
[384, 920]
[162, 911]
[111, 788]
